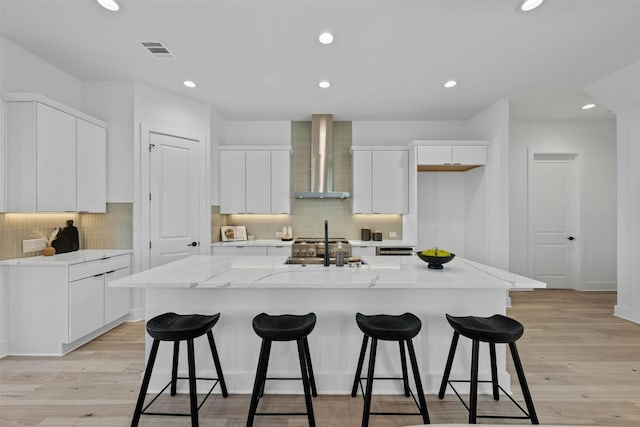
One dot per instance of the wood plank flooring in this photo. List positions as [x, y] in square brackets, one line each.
[582, 364]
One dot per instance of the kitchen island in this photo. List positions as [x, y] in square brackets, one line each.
[241, 287]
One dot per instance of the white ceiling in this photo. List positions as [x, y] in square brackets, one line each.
[260, 60]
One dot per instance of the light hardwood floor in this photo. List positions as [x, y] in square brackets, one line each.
[583, 367]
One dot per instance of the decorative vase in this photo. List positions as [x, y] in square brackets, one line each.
[48, 251]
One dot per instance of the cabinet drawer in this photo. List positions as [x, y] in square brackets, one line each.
[279, 250]
[239, 250]
[100, 266]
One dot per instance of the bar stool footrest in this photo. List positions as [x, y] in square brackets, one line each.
[413, 396]
[179, 414]
[526, 417]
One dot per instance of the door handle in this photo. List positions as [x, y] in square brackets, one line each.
[193, 244]
[571, 238]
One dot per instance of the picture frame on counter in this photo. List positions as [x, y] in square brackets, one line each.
[232, 233]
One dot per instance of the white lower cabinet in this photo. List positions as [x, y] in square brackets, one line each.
[117, 301]
[279, 250]
[363, 251]
[53, 309]
[86, 306]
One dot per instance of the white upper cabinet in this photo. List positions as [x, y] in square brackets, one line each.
[232, 182]
[280, 181]
[452, 156]
[254, 181]
[258, 182]
[380, 181]
[91, 151]
[56, 157]
[55, 160]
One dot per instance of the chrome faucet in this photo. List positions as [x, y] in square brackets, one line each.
[326, 243]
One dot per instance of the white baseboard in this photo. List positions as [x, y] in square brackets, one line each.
[599, 286]
[626, 313]
[4, 348]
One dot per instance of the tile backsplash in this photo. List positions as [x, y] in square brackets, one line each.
[111, 230]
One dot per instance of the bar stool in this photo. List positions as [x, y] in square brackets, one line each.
[176, 327]
[492, 330]
[402, 328]
[286, 327]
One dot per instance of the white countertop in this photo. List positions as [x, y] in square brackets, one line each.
[67, 258]
[203, 271]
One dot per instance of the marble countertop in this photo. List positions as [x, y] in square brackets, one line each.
[203, 271]
[68, 258]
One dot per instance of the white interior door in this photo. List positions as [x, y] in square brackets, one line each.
[554, 219]
[173, 184]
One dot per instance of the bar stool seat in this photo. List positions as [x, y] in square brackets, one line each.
[176, 328]
[497, 329]
[285, 327]
[401, 328]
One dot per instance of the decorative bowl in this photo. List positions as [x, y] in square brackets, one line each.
[435, 262]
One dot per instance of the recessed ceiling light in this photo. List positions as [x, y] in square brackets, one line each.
[529, 5]
[450, 84]
[325, 38]
[324, 84]
[588, 106]
[111, 5]
[189, 83]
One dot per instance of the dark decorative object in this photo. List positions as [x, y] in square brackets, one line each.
[61, 244]
[71, 232]
[435, 262]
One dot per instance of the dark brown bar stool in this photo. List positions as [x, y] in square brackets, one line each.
[493, 330]
[286, 327]
[402, 328]
[176, 327]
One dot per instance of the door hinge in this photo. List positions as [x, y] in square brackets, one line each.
[149, 244]
[149, 196]
[151, 147]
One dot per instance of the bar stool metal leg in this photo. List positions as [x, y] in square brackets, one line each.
[494, 371]
[174, 368]
[216, 362]
[473, 386]
[259, 381]
[403, 362]
[356, 380]
[447, 369]
[193, 392]
[145, 383]
[416, 377]
[305, 382]
[369, 390]
[312, 380]
[523, 383]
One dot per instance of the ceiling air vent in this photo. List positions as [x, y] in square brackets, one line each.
[157, 49]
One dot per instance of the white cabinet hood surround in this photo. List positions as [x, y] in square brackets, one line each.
[321, 161]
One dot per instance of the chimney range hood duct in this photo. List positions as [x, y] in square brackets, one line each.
[321, 167]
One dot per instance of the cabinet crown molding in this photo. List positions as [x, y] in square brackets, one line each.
[36, 97]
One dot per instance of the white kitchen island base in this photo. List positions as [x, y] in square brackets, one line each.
[239, 291]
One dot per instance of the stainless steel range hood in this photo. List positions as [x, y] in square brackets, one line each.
[321, 161]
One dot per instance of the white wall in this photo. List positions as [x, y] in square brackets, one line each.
[402, 133]
[493, 124]
[113, 102]
[256, 133]
[217, 139]
[594, 141]
[628, 268]
[22, 71]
